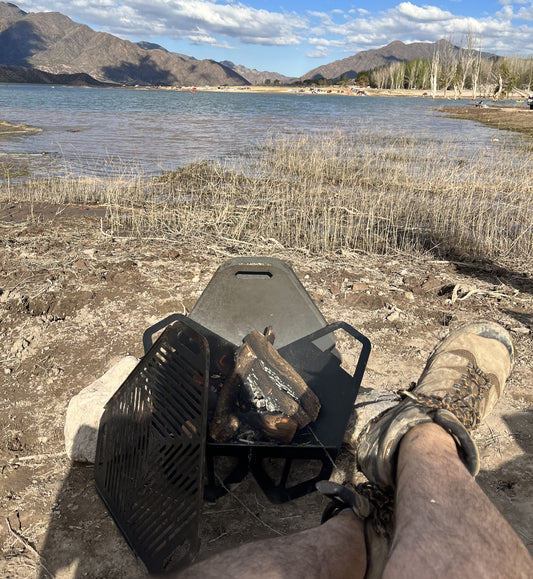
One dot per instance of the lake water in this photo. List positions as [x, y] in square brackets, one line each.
[98, 131]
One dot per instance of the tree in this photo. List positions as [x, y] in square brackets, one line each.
[507, 80]
[448, 63]
[411, 73]
[362, 78]
[476, 68]
[379, 77]
[343, 79]
[435, 66]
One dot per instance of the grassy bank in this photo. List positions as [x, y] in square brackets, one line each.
[10, 129]
[518, 118]
[382, 195]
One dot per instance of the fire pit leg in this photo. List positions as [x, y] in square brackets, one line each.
[278, 492]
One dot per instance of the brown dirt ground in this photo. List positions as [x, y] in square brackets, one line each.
[73, 301]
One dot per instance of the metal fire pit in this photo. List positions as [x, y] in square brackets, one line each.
[155, 461]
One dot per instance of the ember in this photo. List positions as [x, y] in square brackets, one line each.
[264, 393]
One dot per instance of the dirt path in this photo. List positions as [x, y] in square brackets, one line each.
[73, 301]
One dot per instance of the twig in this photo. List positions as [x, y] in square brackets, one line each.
[28, 545]
[473, 291]
[10, 225]
[221, 482]
[323, 447]
[494, 440]
[34, 456]
[219, 537]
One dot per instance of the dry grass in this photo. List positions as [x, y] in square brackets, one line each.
[323, 195]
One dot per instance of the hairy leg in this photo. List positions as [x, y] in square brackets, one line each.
[333, 550]
[445, 524]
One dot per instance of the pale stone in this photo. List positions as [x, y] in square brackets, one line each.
[86, 408]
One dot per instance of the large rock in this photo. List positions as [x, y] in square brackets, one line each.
[86, 408]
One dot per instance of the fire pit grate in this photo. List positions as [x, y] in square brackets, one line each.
[155, 461]
[150, 458]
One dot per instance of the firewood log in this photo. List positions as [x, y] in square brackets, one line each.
[275, 425]
[265, 391]
[225, 423]
[278, 374]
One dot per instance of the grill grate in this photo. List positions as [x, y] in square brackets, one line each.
[151, 450]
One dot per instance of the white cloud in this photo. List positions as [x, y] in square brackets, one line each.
[525, 13]
[422, 13]
[410, 22]
[318, 53]
[177, 18]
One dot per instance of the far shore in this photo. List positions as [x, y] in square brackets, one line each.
[336, 90]
[518, 96]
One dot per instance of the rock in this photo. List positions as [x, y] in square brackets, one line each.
[86, 408]
[394, 316]
[520, 330]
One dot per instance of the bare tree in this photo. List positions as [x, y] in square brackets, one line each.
[435, 72]
[476, 66]
[448, 63]
[379, 77]
[467, 56]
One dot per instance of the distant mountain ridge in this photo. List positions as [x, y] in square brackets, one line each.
[53, 43]
[257, 76]
[367, 60]
[22, 75]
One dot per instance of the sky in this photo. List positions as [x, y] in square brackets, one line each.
[293, 37]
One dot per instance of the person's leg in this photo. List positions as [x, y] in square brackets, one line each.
[445, 525]
[421, 448]
[333, 550]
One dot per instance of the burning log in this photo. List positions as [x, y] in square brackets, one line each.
[265, 391]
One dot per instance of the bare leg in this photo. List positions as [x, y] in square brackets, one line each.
[333, 550]
[445, 525]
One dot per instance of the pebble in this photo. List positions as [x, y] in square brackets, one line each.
[521, 330]
[393, 316]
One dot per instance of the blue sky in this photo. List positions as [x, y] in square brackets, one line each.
[295, 36]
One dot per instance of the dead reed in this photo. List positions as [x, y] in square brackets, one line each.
[376, 194]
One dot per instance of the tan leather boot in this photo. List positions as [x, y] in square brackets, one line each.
[462, 381]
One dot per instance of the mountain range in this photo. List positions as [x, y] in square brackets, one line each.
[49, 47]
[53, 43]
[367, 60]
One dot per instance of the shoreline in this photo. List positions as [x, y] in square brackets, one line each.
[11, 129]
[335, 90]
[331, 90]
[505, 118]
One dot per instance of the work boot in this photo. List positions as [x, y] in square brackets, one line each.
[462, 381]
